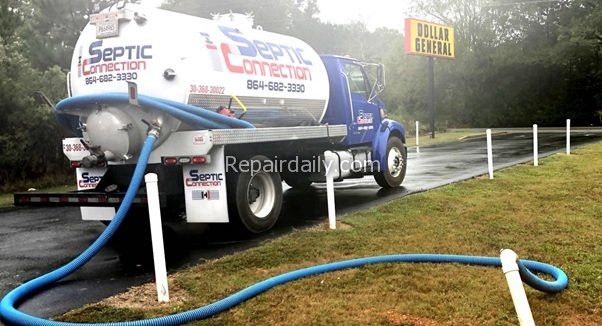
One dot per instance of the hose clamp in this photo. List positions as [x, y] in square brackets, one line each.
[155, 131]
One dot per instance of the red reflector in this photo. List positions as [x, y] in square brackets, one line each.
[82, 199]
[133, 93]
[24, 200]
[170, 161]
[75, 164]
[64, 199]
[199, 160]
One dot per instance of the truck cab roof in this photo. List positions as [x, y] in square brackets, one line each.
[340, 57]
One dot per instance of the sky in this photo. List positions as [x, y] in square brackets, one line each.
[373, 13]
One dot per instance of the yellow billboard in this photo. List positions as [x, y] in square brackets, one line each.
[429, 39]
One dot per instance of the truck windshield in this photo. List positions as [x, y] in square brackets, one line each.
[356, 78]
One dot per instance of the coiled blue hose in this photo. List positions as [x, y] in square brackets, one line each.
[11, 315]
[7, 310]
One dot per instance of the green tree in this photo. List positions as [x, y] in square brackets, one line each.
[30, 140]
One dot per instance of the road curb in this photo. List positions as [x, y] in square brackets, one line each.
[469, 137]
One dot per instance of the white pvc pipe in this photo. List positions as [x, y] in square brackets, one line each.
[535, 146]
[515, 284]
[489, 154]
[332, 215]
[417, 136]
[568, 136]
[332, 163]
[154, 212]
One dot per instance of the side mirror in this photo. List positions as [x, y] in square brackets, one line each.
[380, 75]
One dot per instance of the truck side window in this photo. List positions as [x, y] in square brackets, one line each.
[357, 82]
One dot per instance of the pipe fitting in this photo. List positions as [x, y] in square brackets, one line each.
[155, 131]
[509, 260]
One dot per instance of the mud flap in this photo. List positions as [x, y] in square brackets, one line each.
[88, 179]
[205, 189]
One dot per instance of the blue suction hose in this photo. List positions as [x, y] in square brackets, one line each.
[196, 117]
[7, 310]
[11, 315]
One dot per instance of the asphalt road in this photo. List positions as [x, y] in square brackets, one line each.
[34, 241]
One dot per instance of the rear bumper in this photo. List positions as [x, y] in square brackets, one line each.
[77, 199]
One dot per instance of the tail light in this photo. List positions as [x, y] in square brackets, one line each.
[170, 161]
[75, 164]
[185, 160]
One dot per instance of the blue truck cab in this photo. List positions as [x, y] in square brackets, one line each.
[355, 102]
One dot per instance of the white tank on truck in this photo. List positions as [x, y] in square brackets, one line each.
[199, 62]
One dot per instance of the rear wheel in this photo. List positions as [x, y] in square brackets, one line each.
[392, 175]
[257, 197]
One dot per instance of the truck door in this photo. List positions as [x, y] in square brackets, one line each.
[364, 114]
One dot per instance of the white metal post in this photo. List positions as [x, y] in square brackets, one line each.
[417, 136]
[489, 154]
[535, 146]
[568, 136]
[515, 284]
[154, 212]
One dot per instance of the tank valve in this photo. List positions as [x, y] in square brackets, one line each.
[169, 74]
[93, 160]
[139, 18]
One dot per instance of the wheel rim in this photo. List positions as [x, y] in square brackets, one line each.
[261, 194]
[395, 162]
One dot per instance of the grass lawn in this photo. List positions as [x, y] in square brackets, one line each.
[552, 213]
[6, 200]
[441, 137]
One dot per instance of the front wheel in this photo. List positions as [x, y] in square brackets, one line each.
[257, 197]
[392, 175]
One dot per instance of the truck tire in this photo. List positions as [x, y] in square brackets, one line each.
[297, 180]
[256, 198]
[393, 174]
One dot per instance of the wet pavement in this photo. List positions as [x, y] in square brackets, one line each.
[34, 241]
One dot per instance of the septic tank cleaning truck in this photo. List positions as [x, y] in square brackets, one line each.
[236, 110]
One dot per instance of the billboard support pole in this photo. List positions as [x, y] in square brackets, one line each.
[431, 93]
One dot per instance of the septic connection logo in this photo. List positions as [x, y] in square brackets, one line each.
[88, 181]
[258, 58]
[114, 59]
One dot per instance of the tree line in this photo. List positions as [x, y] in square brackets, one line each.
[517, 63]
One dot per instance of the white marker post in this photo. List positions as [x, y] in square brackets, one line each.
[332, 214]
[154, 212]
[489, 154]
[568, 136]
[535, 147]
[515, 284]
[330, 159]
[417, 137]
